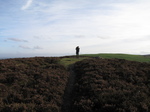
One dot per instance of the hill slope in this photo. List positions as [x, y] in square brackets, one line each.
[43, 84]
[32, 85]
[111, 85]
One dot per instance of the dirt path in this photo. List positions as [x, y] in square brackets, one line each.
[67, 99]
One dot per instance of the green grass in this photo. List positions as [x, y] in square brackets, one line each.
[71, 60]
[130, 57]
[66, 61]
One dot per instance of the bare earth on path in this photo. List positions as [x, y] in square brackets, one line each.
[67, 99]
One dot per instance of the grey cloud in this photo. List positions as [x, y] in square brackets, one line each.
[27, 47]
[36, 37]
[37, 47]
[79, 36]
[42, 37]
[17, 40]
[24, 47]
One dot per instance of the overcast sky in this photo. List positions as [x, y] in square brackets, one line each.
[56, 27]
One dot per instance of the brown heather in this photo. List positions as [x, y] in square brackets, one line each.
[31, 85]
[100, 85]
[111, 85]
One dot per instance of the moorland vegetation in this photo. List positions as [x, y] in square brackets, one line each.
[111, 85]
[101, 85]
[32, 85]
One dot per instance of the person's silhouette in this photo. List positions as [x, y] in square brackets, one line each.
[77, 51]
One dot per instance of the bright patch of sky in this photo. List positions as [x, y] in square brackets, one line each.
[56, 27]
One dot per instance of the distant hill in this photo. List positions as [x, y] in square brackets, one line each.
[41, 84]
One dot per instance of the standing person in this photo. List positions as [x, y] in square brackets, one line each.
[77, 51]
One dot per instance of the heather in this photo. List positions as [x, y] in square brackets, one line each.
[32, 84]
[70, 84]
[111, 85]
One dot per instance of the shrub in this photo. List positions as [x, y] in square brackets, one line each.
[32, 84]
[111, 85]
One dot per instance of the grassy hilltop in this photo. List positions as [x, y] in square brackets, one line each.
[139, 58]
[110, 83]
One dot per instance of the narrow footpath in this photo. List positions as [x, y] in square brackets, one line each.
[67, 98]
